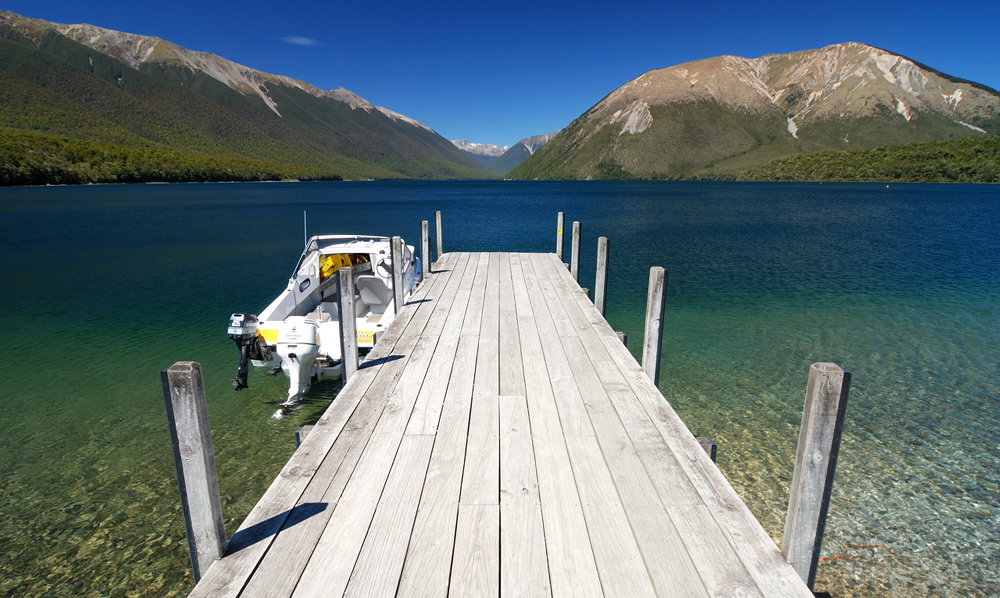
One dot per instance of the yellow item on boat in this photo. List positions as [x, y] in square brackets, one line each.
[332, 263]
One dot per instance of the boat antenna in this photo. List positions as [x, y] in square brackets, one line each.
[305, 235]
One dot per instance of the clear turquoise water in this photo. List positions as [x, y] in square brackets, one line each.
[104, 286]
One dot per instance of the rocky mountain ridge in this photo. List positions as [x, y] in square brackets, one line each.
[729, 113]
[136, 50]
[480, 149]
[499, 160]
[101, 85]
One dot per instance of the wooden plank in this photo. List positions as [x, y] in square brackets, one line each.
[427, 409]
[279, 571]
[475, 569]
[671, 482]
[443, 302]
[481, 482]
[523, 567]
[428, 561]
[718, 566]
[522, 301]
[618, 558]
[552, 301]
[572, 413]
[572, 570]
[333, 559]
[511, 370]
[490, 328]
[757, 551]
[381, 560]
[474, 314]
[669, 564]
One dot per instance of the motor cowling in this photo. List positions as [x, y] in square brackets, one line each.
[298, 346]
[243, 330]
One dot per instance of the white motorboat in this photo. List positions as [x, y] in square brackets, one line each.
[299, 332]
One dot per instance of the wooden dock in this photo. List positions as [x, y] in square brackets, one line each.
[500, 441]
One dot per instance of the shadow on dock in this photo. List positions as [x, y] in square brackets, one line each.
[255, 533]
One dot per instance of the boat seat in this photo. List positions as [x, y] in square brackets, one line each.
[374, 292]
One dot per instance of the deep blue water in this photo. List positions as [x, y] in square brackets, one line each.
[105, 285]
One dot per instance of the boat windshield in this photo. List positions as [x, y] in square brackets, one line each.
[342, 244]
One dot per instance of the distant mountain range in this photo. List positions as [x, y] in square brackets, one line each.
[725, 115]
[500, 160]
[79, 103]
[482, 153]
[85, 82]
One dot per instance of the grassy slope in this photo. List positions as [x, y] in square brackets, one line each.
[708, 140]
[63, 88]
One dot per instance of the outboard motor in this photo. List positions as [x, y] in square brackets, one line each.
[298, 345]
[243, 330]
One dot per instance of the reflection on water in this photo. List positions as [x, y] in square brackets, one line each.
[104, 286]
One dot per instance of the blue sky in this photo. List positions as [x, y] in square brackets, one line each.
[502, 71]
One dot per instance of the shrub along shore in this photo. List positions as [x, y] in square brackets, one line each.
[29, 158]
[967, 160]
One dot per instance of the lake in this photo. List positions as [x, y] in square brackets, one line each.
[103, 286]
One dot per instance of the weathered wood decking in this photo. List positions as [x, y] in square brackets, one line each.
[500, 441]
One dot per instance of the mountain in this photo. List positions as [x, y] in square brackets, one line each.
[724, 115]
[483, 153]
[109, 87]
[519, 152]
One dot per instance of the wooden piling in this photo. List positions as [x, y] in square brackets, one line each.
[601, 282]
[574, 261]
[655, 306]
[711, 449]
[560, 219]
[425, 250]
[815, 465]
[396, 251]
[300, 434]
[348, 325]
[437, 233]
[194, 457]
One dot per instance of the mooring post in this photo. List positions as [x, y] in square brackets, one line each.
[194, 457]
[437, 233]
[348, 325]
[574, 260]
[655, 306]
[601, 282]
[559, 235]
[425, 250]
[711, 449]
[397, 256]
[815, 464]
